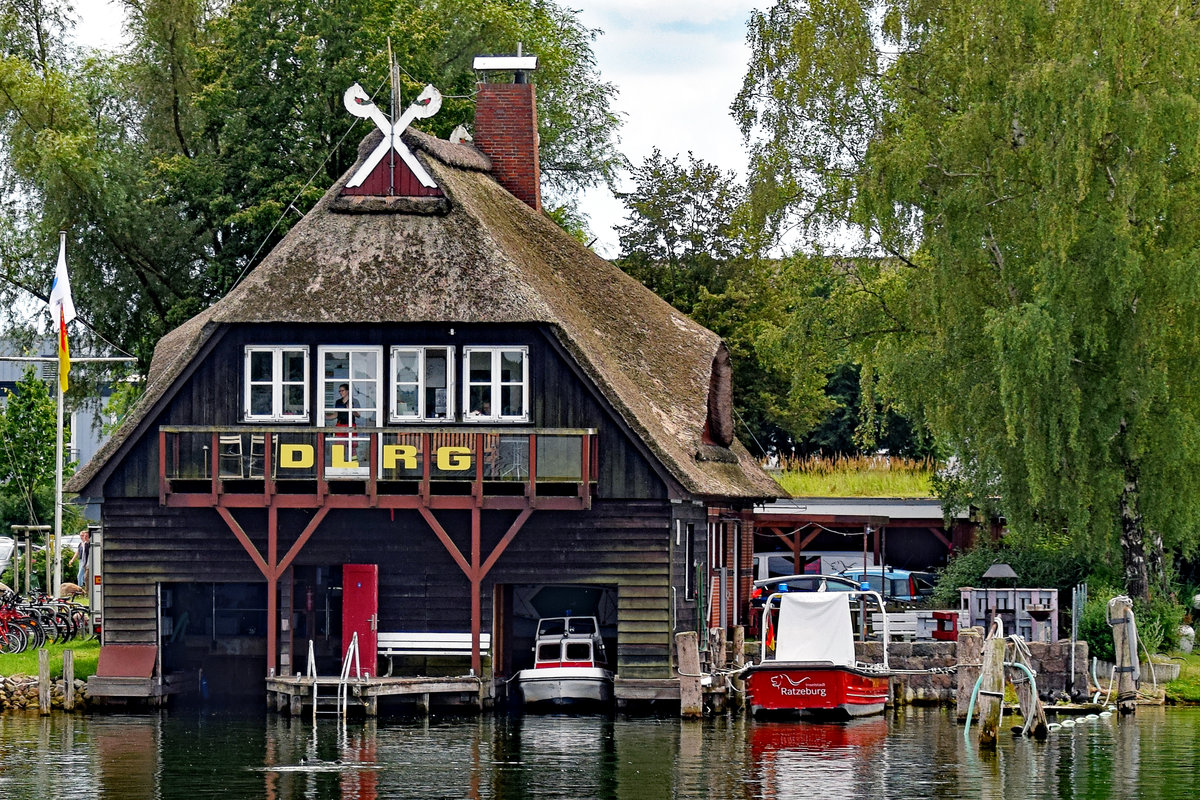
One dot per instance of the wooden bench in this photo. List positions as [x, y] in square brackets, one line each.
[417, 643]
[901, 624]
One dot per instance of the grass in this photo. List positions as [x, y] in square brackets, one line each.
[857, 476]
[87, 654]
[1186, 688]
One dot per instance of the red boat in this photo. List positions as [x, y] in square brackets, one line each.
[812, 669]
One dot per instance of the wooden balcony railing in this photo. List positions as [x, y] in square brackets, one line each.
[206, 462]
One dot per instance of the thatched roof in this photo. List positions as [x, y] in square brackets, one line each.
[479, 255]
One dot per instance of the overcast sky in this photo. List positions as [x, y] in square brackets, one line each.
[678, 66]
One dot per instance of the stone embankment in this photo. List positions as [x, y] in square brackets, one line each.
[926, 674]
[21, 691]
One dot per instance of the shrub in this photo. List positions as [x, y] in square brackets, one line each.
[1046, 564]
[1157, 623]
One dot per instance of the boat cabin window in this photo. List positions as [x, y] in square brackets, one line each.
[582, 625]
[549, 652]
[553, 626]
[579, 651]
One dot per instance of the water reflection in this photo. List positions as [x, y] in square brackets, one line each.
[914, 754]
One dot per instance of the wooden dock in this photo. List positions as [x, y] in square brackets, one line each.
[293, 694]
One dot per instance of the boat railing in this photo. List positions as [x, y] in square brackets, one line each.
[771, 613]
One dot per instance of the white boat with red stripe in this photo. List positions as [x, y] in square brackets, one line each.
[569, 665]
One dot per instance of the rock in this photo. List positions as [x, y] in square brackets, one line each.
[1187, 638]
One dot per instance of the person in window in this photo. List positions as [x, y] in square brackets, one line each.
[342, 418]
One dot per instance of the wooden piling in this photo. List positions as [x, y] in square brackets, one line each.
[970, 652]
[69, 680]
[691, 697]
[1120, 617]
[739, 661]
[991, 691]
[44, 680]
[1031, 705]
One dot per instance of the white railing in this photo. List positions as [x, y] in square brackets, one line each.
[344, 680]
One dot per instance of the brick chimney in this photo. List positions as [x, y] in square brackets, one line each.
[506, 130]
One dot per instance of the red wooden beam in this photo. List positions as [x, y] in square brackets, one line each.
[500, 547]
[248, 545]
[476, 593]
[446, 541]
[302, 539]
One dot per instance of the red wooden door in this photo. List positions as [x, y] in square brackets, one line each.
[360, 611]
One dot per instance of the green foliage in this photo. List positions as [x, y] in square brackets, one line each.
[1031, 173]
[1093, 622]
[1157, 623]
[125, 395]
[861, 476]
[172, 163]
[37, 569]
[1186, 688]
[1047, 562]
[682, 237]
[28, 425]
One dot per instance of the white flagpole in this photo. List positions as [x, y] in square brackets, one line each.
[58, 491]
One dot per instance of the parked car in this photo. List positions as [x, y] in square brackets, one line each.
[778, 564]
[899, 585]
[7, 547]
[798, 583]
[792, 583]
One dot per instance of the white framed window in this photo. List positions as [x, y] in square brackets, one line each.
[497, 384]
[422, 384]
[275, 388]
[350, 391]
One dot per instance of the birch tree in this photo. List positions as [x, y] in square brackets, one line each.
[1028, 174]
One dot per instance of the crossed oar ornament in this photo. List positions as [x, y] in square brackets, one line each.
[358, 103]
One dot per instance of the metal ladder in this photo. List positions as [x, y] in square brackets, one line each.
[342, 699]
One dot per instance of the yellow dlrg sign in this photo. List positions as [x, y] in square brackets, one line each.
[394, 457]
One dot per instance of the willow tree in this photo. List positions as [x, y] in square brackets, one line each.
[1028, 172]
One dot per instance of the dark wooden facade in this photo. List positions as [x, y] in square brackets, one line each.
[624, 542]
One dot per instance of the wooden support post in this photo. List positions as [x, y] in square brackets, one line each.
[970, 652]
[44, 680]
[991, 691]
[297, 705]
[738, 660]
[1031, 705]
[69, 680]
[691, 698]
[1120, 617]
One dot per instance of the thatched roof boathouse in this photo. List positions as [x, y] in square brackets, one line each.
[435, 389]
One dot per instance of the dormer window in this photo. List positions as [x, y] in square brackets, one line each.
[422, 384]
[497, 384]
[276, 384]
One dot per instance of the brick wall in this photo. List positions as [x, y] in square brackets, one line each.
[506, 130]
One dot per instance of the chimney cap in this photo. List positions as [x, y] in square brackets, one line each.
[501, 63]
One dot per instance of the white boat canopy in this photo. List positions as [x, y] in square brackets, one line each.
[815, 626]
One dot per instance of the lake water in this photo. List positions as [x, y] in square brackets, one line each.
[910, 754]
